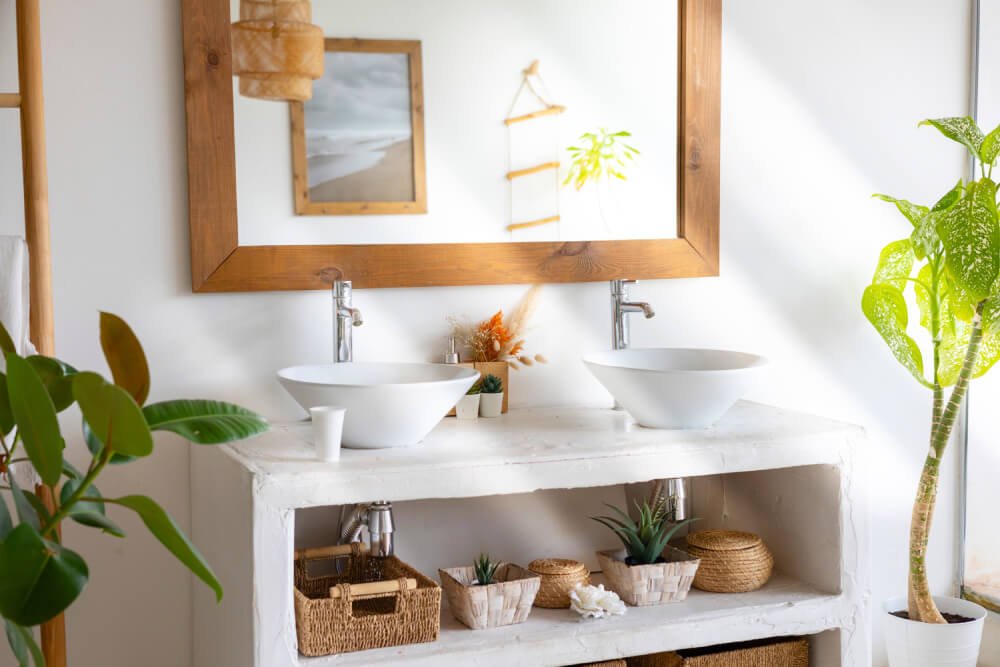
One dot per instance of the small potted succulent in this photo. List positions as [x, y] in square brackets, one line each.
[468, 405]
[648, 570]
[491, 396]
[489, 594]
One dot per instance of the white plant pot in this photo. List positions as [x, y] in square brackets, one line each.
[490, 405]
[468, 407]
[915, 644]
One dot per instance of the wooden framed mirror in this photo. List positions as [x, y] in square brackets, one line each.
[219, 263]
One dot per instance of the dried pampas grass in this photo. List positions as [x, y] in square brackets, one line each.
[498, 338]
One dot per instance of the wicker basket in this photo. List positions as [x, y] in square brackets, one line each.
[786, 652]
[505, 602]
[559, 577]
[372, 603]
[731, 561]
[644, 585]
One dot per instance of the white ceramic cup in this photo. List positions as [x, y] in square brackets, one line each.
[328, 426]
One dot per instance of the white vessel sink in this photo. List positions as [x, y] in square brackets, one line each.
[673, 387]
[388, 404]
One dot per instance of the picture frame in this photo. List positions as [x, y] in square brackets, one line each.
[343, 163]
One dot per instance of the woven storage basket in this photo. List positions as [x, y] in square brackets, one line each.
[731, 561]
[505, 602]
[644, 585]
[351, 622]
[787, 652]
[559, 577]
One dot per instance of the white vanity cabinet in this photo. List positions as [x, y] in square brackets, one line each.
[794, 479]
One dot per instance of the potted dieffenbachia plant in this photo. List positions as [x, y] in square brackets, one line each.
[950, 260]
[40, 576]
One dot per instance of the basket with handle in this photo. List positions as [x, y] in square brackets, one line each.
[360, 602]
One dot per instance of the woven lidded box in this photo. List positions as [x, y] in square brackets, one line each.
[559, 577]
[731, 561]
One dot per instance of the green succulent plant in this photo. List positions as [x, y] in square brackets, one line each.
[40, 577]
[491, 385]
[476, 388]
[950, 258]
[485, 569]
[646, 538]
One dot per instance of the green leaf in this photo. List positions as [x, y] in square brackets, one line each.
[41, 578]
[6, 343]
[170, 536]
[25, 512]
[990, 147]
[88, 512]
[885, 308]
[895, 264]
[204, 422]
[22, 644]
[95, 446]
[961, 129]
[6, 524]
[912, 212]
[57, 378]
[950, 198]
[125, 357]
[36, 420]
[6, 414]
[971, 238]
[113, 415]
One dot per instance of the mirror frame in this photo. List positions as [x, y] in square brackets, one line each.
[220, 264]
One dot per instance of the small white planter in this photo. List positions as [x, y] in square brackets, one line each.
[915, 644]
[490, 405]
[468, 407]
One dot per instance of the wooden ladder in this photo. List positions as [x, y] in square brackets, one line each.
[30, 102]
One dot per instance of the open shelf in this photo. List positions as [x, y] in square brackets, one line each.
[785, 606]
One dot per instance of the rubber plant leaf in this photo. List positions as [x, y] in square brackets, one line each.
[6, 523]
[88, 512]
[204, 422]
[113, 415]
[6, 343]
[971, 237]
[6, 415]
[25, 511]
[895, 264]
[57, 378]
[170, 536]
[961, 129]
[95, 446]
[22, 644]
[885, 308]
[35, 416]
[41, 578]
[912, 212]
[125, 357]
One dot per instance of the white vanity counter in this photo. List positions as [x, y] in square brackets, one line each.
[792, 478]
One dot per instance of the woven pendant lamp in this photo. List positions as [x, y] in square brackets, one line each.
[277, 52]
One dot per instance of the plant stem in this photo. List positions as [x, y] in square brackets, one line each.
[95, 470]
[921, 604]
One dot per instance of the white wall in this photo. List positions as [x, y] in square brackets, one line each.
[820, 108]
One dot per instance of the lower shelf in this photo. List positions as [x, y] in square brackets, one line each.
[785, 606]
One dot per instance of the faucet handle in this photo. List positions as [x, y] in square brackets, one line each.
[620, 286]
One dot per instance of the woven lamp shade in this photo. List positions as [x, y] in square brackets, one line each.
[276, 51]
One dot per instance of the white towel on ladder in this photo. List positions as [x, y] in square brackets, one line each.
[14, 298]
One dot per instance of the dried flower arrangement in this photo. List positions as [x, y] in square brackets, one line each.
[498, 338]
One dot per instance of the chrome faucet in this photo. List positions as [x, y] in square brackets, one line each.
[620, 308]
[345, 318]
[377, 518]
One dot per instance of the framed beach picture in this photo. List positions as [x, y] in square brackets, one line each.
[358, 144]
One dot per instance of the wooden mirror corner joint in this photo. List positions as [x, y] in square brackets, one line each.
[220, 264]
